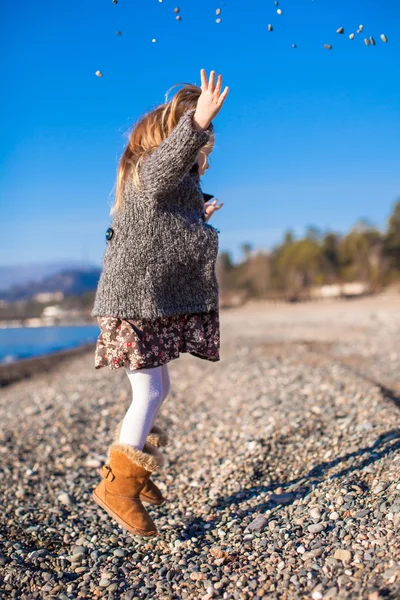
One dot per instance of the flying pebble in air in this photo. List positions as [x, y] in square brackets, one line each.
[327, 47]
[294, 46]
[383, 38]
[270, 28]
[340, 30]
[99, 74]
[218, 11]
[279, 11]
[176, 10]
[154, 40]
[218, 20]
[178, 17]
[115, 1]
[366, 41]
[118, 33]
[276, 3]
[361, 27]
[351, 36]
[358, 30]
[371, 39]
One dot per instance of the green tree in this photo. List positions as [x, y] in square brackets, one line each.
[313, 233]
[225, 260]
[246, 249]
[288, 237]
[360, 254]
[298, 264]
[392, 238]
[225, 273]
[330, 251]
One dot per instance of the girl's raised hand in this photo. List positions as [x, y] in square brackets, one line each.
[211, 207]
[211, 100]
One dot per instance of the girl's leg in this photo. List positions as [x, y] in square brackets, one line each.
[166, 386]
[166, 383]
[147, 390]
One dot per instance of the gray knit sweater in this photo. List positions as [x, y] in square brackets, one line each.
[160, 253]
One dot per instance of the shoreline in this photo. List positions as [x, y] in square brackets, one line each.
[26, 367]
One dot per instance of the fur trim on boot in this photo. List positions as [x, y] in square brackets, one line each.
[150, 493]
[149, 458]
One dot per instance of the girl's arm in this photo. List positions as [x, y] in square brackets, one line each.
[164, 168]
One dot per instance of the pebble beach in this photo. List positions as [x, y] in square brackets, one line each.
[282, 473]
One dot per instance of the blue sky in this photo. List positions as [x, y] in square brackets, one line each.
[306, 135]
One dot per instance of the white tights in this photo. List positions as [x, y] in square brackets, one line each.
[150, 388]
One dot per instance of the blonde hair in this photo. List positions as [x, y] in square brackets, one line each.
[149, 132]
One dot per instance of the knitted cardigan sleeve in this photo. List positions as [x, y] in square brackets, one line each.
[163, 169]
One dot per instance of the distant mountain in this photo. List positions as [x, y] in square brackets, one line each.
[33, 272]
[69, 281]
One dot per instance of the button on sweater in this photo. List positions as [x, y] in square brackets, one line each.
[160, 259]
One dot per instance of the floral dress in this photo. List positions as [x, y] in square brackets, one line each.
[143, 343]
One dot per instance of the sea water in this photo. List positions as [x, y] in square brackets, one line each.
[17, 343]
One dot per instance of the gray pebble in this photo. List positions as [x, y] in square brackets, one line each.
[316, 527]
[258, 524]
[282, 498]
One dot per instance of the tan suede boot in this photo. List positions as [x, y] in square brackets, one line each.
[124, 477]
[158, 438]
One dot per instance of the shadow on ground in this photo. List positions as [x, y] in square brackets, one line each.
[294, 489]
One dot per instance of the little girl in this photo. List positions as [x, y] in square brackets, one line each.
[157, 294]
